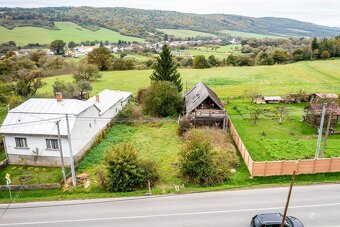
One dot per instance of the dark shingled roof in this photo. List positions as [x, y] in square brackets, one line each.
[198, 94]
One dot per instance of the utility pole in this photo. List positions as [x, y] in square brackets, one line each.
[61, 152]
[288, 199]
[327, 132]
[320, 130]
[74, 182]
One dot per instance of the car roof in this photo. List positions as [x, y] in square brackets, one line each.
[271, 218]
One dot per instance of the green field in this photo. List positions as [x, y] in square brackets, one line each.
[184, 34]
[219, 52]
[267, 140]
[311, 76]
[68, 32]
[249, 35]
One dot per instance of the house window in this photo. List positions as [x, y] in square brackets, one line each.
[21, 142]
[52, 144]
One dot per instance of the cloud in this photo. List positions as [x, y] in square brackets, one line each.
[325, 12]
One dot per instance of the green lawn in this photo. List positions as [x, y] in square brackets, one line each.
[184, 34]
[68, 32]
[31, 175]
[311, 76]
[220, 52]
[249, 35]
[267, 140]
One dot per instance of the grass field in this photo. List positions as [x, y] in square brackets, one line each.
[184, 34]
[68, 32]
[220, 53]
[267, 140]
[311, 76]
[249, 35]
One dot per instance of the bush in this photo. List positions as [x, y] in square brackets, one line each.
[126, 171]
[204, 159]
[141, 95]
[131, 111]
[325, 54]
[162, 99]
[184, 126]
[200, 62]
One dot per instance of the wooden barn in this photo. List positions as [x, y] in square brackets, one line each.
[314, 113]
[204, 108]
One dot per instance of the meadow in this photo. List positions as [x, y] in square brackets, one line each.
[310, 76]
[249, 35]
[219, 52]
[184, 34]
[67, 31]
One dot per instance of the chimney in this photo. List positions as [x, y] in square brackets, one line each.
[97, 98]
[59, 96]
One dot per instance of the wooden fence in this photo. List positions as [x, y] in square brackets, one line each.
[275, 168]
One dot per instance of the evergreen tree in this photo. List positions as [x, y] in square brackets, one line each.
[315, 44]
[166, 69]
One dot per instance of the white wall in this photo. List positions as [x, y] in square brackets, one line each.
[86, 127]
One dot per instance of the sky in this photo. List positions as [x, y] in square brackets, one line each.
[323, 12]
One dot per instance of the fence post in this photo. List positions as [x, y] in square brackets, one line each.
[282, 162]
[314, 166]
[297, 167]
[330, 165]
[265, 168]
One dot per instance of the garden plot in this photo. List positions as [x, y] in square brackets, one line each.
[267, 140]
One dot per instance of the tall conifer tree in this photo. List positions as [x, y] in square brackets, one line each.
[166, 69]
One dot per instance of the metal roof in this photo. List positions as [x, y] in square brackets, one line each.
[38, 116]
[108, 98]
[272, 98]
[326, 95]
[198, 94]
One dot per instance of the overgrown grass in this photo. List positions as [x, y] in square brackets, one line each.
[118, 133]
[30, 174]
[3, 113]
[267, 140]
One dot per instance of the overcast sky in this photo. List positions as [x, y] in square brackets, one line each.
[324, 12]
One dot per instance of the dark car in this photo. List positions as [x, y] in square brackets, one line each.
[274, 220]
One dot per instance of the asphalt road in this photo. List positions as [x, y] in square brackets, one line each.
[317, 206]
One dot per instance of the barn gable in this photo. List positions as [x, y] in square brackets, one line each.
[201, 94]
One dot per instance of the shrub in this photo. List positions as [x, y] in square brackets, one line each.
[162, 99]
[184, 126]
[140, 95]
[200, 62]
[131, 110]
[126, 171]
[205, 158]
[325, 54]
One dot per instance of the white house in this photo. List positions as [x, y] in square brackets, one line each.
[32, 126]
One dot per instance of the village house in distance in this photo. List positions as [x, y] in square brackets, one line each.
[203, 107]
[32, 127]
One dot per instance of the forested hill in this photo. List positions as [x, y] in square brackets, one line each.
[144, 23]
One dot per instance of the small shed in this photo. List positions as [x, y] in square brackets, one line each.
[204, 108]
[314, 113]
[268, 100]
[322, 97]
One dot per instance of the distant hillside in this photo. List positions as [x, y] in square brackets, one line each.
[146, 23]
